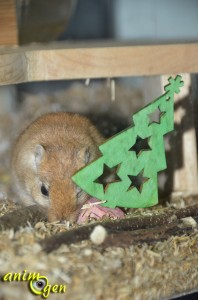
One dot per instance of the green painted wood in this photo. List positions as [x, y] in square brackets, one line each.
[135, 165]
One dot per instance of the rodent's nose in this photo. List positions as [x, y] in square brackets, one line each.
[63, 216]
[63, 206]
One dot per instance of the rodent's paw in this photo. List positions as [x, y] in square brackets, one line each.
[97, 212]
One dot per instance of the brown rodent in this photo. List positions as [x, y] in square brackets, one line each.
[45, 157]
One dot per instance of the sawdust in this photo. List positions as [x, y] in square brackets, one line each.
[156, 271]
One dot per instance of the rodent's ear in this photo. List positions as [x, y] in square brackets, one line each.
[39, 152]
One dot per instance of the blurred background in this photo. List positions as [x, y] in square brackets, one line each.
[140, 21]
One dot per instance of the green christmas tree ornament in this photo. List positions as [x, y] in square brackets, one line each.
[126, 173]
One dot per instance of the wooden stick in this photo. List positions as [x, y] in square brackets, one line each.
[20, 217]
[80, 62]
[163, 220]
[149, 236]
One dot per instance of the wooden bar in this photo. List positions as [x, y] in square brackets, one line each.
[78, 62]
[8, 23]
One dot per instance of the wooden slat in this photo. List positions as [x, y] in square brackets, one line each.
[8, 24]
[37, 64]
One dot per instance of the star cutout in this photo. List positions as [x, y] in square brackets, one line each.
[108, 176]
[155, 117]
[140, 145]
[137, 181]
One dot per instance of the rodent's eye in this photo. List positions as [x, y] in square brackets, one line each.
[44, 190]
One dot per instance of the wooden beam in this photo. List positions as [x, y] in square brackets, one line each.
[78, 62]
[8, 24]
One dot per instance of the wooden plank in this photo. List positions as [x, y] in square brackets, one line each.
[37, 64]
[8, 24]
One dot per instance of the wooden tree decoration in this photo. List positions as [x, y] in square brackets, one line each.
[126, 173]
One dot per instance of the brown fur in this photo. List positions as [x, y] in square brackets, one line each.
[49, 152]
